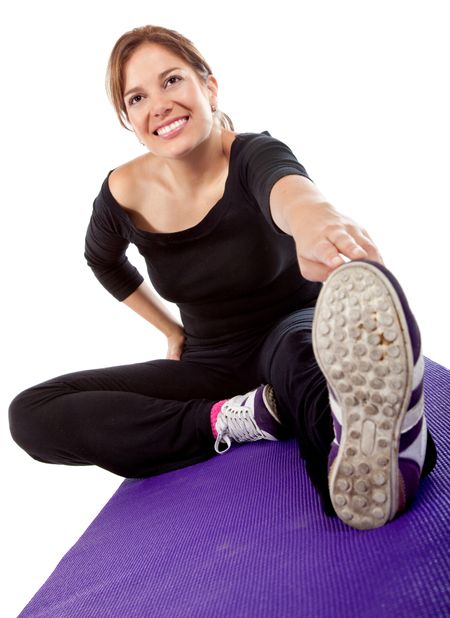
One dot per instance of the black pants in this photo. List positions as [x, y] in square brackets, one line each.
[147, 418]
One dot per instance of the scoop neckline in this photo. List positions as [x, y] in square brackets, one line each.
[203, 226]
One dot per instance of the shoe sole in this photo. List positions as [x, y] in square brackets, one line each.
[362, 345]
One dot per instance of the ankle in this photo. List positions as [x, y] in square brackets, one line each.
[214, 414]
[246, 418]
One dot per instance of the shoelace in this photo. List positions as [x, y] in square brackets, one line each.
[238, 423]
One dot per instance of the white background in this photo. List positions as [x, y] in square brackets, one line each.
[357, 89]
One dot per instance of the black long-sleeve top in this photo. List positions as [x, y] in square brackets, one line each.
[233, 273]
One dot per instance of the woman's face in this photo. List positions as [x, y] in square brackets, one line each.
[160, 88]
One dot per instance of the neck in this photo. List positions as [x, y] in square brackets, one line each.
[195, 171]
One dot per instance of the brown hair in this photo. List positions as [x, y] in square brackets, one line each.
[170, 39]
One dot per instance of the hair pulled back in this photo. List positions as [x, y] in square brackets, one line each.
[174, 42]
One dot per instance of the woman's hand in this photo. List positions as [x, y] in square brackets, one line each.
[175, 343]
[323, 236]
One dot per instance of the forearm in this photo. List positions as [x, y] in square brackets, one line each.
[144, 302]
[293, 201]
[323, 236]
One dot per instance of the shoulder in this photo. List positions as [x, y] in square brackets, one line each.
[262, 149]
[125, 181]
[266, 159]
[263, 139]
[263, 145]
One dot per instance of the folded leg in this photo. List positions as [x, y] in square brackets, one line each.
[134, 420]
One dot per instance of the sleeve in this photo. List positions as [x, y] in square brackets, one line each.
[105, 252]
[266, 160]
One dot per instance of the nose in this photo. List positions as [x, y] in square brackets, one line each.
[160, 106]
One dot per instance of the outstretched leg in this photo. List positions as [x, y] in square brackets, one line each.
[287, 362]
[368, 365]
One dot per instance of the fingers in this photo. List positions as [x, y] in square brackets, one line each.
[372, 250]
[336, 243]
[176, 344]
[174, 352]
[314, 271]
[173, 356]
[327, 240]
[354, 244]
[350, 245]
[330, 253]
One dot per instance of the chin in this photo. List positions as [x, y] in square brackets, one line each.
[180, 150]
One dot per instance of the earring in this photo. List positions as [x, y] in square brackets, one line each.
[213, 108]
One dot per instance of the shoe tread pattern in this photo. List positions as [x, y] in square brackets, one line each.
[362, 346]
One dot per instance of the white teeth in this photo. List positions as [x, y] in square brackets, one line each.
[171, 127]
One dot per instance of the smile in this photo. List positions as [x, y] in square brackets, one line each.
[172, 129]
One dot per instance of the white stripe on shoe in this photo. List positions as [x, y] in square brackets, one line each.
[419, 370]
[335, 408]
[416, 451]
[413, 415]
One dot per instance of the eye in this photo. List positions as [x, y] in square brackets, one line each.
[177, 77]
[135, 99]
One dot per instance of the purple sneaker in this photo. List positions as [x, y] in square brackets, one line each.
[249, 417]
[367, 344]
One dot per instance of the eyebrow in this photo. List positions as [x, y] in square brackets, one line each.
[160, 76]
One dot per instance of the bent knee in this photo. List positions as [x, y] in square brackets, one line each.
[22, 419]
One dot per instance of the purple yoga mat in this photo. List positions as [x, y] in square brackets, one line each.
[243, 535]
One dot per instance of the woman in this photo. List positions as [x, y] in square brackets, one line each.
[236, 234]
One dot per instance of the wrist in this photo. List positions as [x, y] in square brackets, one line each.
[173, 329]
[309, 218]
